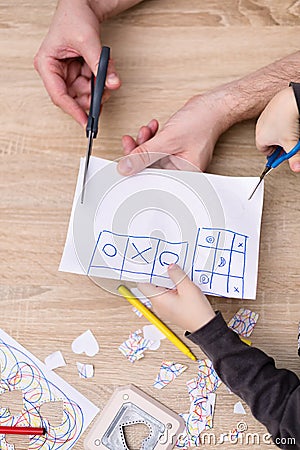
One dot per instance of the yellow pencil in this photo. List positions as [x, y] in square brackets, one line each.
[126, 293]
[246, 341]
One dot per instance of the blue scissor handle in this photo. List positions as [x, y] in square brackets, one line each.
[279, 155]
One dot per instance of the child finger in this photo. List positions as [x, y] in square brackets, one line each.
[180, 278]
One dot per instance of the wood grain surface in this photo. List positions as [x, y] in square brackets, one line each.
[166, 51]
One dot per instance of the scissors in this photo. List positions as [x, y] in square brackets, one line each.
[97, 89]
[274, 160]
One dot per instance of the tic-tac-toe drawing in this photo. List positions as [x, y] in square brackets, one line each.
[219, 261]
[144, 257]
[132, 228]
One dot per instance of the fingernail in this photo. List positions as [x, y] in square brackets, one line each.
[125, 166]
[296, 166]
[171, 266]
[113, 78]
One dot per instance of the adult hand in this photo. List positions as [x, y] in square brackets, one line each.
[186, 306]
[190, 134]
[69, 55]
[279, 125]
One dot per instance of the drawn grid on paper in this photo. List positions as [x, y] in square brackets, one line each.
[144, 256]
[219, 261]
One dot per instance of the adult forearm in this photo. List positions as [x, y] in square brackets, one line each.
[247, 97]
[104, 9]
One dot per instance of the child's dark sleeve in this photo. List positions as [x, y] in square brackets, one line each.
[272, 394]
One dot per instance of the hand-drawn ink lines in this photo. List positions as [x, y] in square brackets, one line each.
[219, 261]
[145, 257]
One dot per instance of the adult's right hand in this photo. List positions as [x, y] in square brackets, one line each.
[189, 135]
[69, 55]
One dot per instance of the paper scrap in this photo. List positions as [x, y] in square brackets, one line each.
[133, 348]
[168, 371]
[207, 222]
[243, 322]
[199, 418]
[201, 390]
[86, 343]
[22, 370]
[152, 333]
[85, 370]
[55, 360]
[238, 408]
[208, 374]
[145, 300]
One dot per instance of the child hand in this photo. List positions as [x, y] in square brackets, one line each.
[185, 306]
[279, 125]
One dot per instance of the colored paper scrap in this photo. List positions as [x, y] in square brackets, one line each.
[86, 343]
[169, 370]
[55, 360]
[133, 348]
[243, 322]
[208, 375]
[85, 370]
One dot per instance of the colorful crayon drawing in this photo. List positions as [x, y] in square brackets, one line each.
[243, 322]
[21, 370]
[169, 370]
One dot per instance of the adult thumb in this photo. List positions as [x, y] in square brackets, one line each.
[145, 155]
[91, 54]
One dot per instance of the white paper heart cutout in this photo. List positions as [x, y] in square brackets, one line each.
[86, 343]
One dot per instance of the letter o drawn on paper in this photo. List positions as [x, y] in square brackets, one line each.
[203, 279]
[166, 261]
[109, 250]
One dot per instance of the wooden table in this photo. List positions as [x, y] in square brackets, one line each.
[40, 148]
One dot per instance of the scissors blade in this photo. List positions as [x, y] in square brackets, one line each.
[87, 160]
[267, 170]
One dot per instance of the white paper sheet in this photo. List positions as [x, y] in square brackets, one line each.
[132, 228]
[21, 370]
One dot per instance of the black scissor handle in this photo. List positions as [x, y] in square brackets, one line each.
[97, 89]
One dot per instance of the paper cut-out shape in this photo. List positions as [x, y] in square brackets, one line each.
[21, 370]
[199, 418]
[203, 398]
[55, 360]
[152, 333]
[208, 375]
[243, 322]
[85, 370]
[238, 408]
[132, 228]
[168, 371]
[133, 348]
[86, 343]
